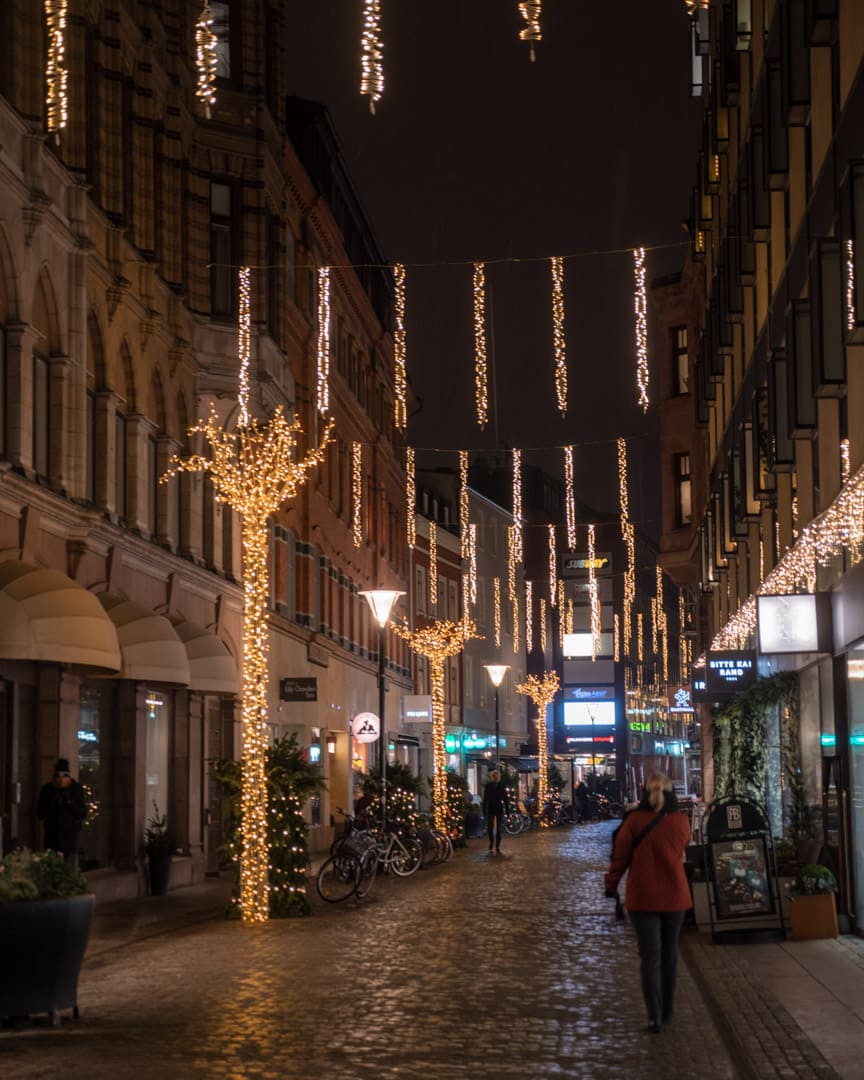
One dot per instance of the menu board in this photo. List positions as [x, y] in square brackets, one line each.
[741, 879]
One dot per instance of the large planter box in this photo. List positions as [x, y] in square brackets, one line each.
[813, 917]
[42, 944]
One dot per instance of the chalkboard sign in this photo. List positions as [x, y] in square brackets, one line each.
[741, 878]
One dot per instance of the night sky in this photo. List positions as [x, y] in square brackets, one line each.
[475, 153]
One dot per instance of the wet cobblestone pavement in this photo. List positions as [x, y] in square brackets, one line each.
[499, 967]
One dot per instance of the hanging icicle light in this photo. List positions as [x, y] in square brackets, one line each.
[558, 338]
[56, 74]
[628, 536]
[466, 594]
[683, 673]
[472, 561]
[357, 492]
[594, 596]
[850, 284]
[464, 549]
[400, 376]
[517, 643]
[543, 625]
[244, 339]
[569, 498]
[511, 562]
[654, 625]
[553, 567]
[531, 10]
[323, 339]
[845, 460]
[517, 504]
[640, 300]
[616, 638]
[529, 617]
[410, 497]
[372, 68]
[206, 58]
[481, 379]
[640, 638]
[496, 601]
[571, 615]
[433, 562]
[663, 637]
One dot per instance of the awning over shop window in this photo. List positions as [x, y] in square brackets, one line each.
[45, 615]
[212, 668]
[150, 649]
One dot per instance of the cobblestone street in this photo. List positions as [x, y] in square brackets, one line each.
[500, 967]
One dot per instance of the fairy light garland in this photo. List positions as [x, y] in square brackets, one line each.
[571, 615]
[562, 614]
[616, 638]
[466, 594]
[472, 562]
[433, 562]
[496, 605]
[531, 11]
[323, 395]
[254, 471]
[464, 548]
[553, 567]
[244, 340]
[206, 59]
[543, 639]
[481, 375]
[628, 536]
[517, 504]
[357, 493]
[662, 626]
[569, 498]
[517, 641]
[594, 595]
[437, 642]
[542, 692]
[400, 375]
[640, 638]
[850, 284]
[683, 673]
[511, 561]
[640, 303]
[56, 73]
[410, 497]
[529, 617]
[654, 621]
[558, 338]
[845, 460]
[371, 66]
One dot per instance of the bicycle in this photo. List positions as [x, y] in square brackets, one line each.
[402, 855]
[352, 866]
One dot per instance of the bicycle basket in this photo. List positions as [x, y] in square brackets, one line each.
[358, 843]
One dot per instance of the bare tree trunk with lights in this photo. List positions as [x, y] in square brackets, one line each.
[542, 692]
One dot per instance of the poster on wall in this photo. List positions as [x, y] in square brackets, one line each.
[741, 878]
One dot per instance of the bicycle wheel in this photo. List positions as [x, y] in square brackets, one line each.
[368, 871]
[407, 856]
[445, 845]
[513, 824]
[338, 878]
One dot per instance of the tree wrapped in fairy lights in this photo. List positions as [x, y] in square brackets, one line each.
[437, 642]
[255, 471]
[542, 692]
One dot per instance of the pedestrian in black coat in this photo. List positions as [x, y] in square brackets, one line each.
[496, 803]
[62, 807]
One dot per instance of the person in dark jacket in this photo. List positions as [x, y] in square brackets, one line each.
[496, 804]
[650, 845]
[62, 807]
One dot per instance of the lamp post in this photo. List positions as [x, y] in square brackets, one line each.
[496, 673]
[381, 603]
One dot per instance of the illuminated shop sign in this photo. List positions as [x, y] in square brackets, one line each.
[728, 672]
[472, 742]
[582, 562]
[590, 693]
[640, 725]
[794, 624]
[589, 713]
[598, 739]
[417, 708]
[680, 699]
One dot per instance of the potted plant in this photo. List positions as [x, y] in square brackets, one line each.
[812, 909]
[45, 921]
[157, 844]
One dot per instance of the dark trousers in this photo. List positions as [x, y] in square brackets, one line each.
[657, 933]
[493, 824]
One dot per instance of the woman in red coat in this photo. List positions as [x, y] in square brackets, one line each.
[650, 844]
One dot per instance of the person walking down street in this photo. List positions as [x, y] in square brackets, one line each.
[650, 845]
[496, 804]
[62, 807]
[582, 801]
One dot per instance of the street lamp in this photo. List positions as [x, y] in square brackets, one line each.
[496, 673]
[381, 603]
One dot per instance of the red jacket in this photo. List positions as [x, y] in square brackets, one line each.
[656, 881]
